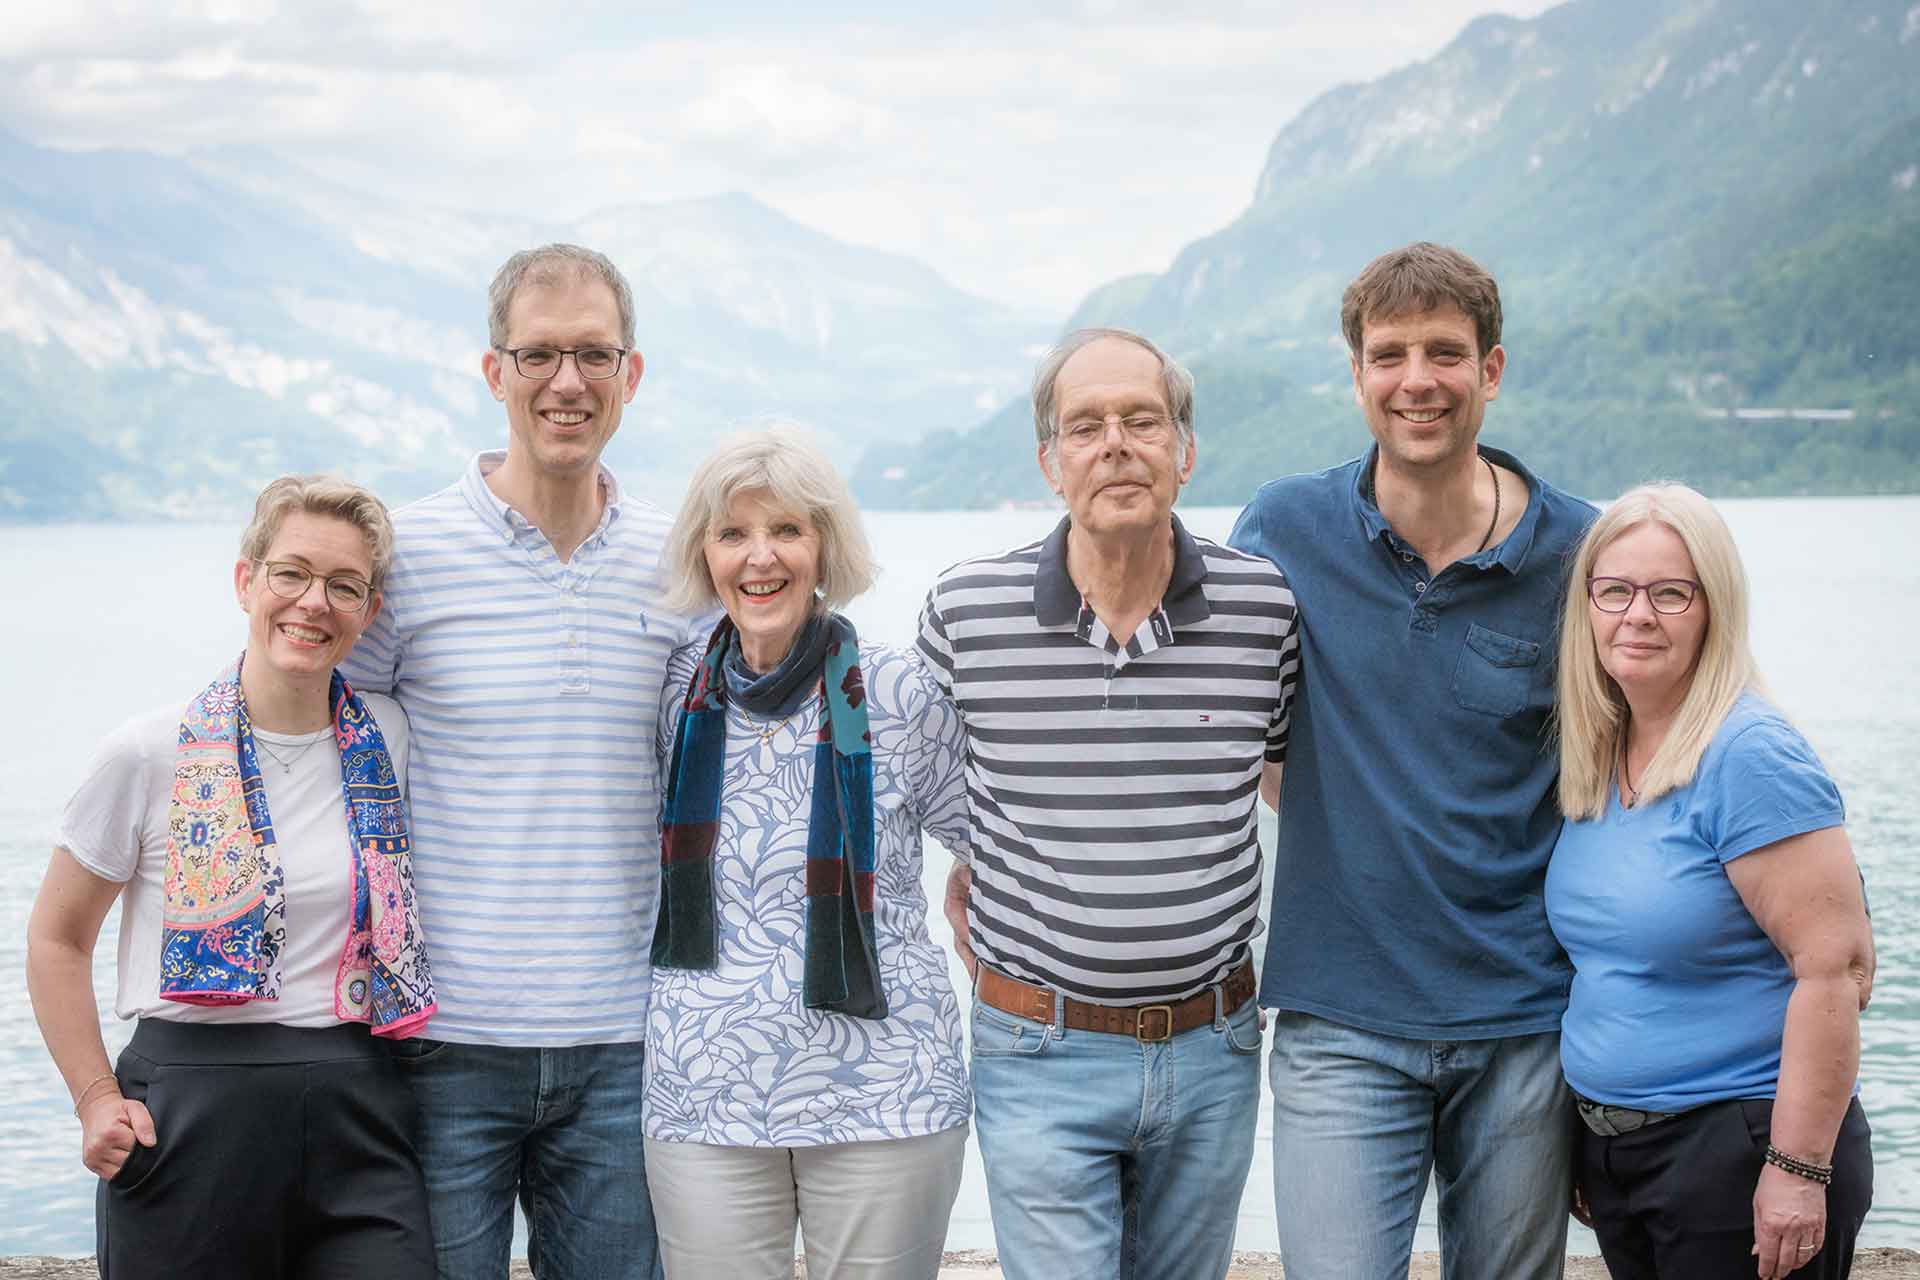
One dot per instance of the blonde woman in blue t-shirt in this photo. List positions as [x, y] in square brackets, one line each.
[1706, 893]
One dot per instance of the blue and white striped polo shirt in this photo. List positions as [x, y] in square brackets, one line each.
[533, 687]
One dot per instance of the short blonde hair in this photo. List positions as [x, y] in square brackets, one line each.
[1592, 712]
[321, 495]
[796, 475]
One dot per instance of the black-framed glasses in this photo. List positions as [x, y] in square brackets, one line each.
[347, 592]
[1668, 595]
[544, 362]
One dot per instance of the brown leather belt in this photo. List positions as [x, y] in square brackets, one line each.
[1145, 1022]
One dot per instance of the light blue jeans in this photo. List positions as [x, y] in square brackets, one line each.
[559, 1127]
[1108, 1157]
[1361, 1119]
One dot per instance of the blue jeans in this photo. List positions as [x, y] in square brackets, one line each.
[561, 1127]
[1108, 1157]
[1360, 1120]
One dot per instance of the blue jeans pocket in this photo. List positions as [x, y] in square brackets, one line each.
[415, 1051]
[1002, 1035]
[1494, 671]
[1243, 1029]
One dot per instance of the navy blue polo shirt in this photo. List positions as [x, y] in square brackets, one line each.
[1416, 809]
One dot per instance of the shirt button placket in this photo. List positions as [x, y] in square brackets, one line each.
[574, 677]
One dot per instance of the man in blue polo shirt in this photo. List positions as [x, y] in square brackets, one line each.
[1418, 987]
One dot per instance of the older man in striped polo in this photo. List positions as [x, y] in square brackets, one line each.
[524, 634]
[1124, 684]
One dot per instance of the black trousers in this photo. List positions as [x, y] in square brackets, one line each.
[284, 1153]
[1675, 1199]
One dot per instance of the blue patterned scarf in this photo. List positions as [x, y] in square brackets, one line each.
[842, 973]
[224, 918]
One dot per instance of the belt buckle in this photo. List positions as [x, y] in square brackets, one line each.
[1140, 1023]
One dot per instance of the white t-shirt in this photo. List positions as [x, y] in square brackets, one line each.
[115, 826]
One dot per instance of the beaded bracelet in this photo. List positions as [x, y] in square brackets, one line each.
[1820, 1173]
[79, 1101]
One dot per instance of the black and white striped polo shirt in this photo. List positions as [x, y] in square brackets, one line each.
[1113, 784]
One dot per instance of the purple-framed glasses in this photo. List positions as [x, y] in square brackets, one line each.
[1668, 595]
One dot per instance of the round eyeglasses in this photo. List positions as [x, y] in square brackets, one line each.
[543, 362]
[1668, 595]
[289, 581]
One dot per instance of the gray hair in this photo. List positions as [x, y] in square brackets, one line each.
[795, 474]
[1176, 386]
[551, 264]
[321, 495]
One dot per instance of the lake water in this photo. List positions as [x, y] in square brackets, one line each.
[107, 620]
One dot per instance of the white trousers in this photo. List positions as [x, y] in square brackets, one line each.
[866, 1210]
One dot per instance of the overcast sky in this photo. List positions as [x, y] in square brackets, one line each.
[1027, 151]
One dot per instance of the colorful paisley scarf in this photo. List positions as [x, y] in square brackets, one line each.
[842, 973]
[224, 919]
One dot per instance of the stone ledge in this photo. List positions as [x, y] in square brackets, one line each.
[1868, 1264]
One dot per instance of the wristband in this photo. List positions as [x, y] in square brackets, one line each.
[1812, 1172]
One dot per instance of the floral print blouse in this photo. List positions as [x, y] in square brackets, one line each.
[733, 1056]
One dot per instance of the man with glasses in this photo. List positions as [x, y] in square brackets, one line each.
[523, 632]
[1122, 683]
[1419, 988]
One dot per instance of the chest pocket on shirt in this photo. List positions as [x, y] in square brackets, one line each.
[1494, 671]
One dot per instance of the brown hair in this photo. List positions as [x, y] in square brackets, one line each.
[1421, 277]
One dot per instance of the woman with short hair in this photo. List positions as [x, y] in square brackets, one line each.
[1705, 890]
[256, 839]
[804, 1062]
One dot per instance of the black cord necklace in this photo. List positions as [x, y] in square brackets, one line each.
[1632, 797]
[1492, 524]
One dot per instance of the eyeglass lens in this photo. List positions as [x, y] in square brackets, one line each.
[347, 594]
[544, 362]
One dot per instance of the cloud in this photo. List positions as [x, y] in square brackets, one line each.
[1028, 153]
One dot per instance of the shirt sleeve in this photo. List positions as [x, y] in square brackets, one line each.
[397, 732]
[937, 763]
[1248, 534]
[373, 664]
[1289, 671]
[1767, 786]
[103, 821]
[933, 646]
[673, 691]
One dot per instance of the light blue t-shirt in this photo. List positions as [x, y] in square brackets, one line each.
[1679, 998]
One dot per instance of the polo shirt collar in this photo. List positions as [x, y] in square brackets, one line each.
[1510, 553]
[502, 518]
[1056, 601]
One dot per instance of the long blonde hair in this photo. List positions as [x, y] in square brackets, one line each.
[1592, 712]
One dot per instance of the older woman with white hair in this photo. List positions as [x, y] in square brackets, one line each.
[255, 836]
[804, 1061]
[1705, 890]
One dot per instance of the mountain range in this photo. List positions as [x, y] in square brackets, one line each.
[1704, 215]
[175, 331]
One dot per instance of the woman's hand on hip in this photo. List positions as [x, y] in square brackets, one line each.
[1789, 1221]
[109, 1126]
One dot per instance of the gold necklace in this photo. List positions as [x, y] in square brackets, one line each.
[769, 728]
